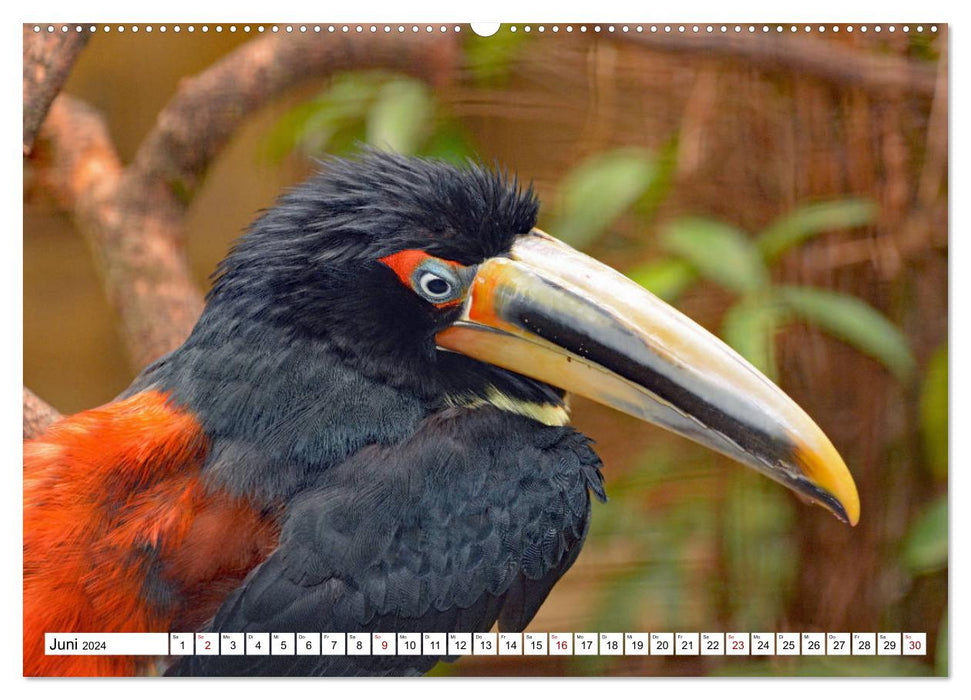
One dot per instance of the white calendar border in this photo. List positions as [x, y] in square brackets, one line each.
[442, 10]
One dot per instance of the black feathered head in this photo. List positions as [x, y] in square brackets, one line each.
[328, 259]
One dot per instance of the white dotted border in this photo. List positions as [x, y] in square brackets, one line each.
[442, 28]
[247, 28]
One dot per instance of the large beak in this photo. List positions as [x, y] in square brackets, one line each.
[552, 313]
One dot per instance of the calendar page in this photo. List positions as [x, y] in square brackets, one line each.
[516, 349]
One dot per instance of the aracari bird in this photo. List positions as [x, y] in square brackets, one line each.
[367, 430]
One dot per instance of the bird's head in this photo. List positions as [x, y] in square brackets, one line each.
[373, 256]
[402, 265]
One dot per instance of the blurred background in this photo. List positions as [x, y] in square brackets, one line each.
[793, 200]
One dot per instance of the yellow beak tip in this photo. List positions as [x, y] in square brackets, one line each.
[825, 468]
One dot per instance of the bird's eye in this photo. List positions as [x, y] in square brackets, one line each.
[434, 286]
[436, 282]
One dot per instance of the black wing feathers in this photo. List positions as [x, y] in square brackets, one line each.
[473, 519]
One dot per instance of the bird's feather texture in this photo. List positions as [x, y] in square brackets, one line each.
[471, 520]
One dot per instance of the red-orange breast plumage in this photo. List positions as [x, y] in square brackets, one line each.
[121, 533]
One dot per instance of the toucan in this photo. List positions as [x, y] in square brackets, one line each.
[368, 430]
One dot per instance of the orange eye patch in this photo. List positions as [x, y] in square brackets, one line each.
[405, 262]
[440, 282]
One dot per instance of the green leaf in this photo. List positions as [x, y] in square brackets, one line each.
[666, 162]
[925, 546]
[665, 278]
[934, 414]
[595, 193]
[750, 327]
[400, 118]
[854, 322]
[720, 252]
[808, 221]
[341, 108]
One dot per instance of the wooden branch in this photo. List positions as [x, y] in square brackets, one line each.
[145, 274]
[48, 59]
[134, 218]
[208, 108]
[38, 414]
[782, 52]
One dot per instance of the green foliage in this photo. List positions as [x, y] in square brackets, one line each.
[718, 251]
[605, 186]
[401, 115]
[750, 326]
[854, 322]
[812, 220]
[729, 257]
[925, 546]
[384, 110]
[595, 193]
[666, 160]
[934, 413]
[312, 126]
[599, 190]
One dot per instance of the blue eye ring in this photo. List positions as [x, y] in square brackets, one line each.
[437, 283]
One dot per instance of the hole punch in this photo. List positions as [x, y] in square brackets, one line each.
[485, 29]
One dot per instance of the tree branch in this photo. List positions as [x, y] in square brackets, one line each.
[782, 52]
[134, 218]
[38, 414]
[145, 274]
[208, 108]
[48, 58]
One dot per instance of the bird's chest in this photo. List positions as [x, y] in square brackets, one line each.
[222, 539]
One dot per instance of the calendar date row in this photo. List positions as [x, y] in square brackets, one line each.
[492, 643]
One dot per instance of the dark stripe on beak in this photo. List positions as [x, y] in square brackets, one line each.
[615, 347]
